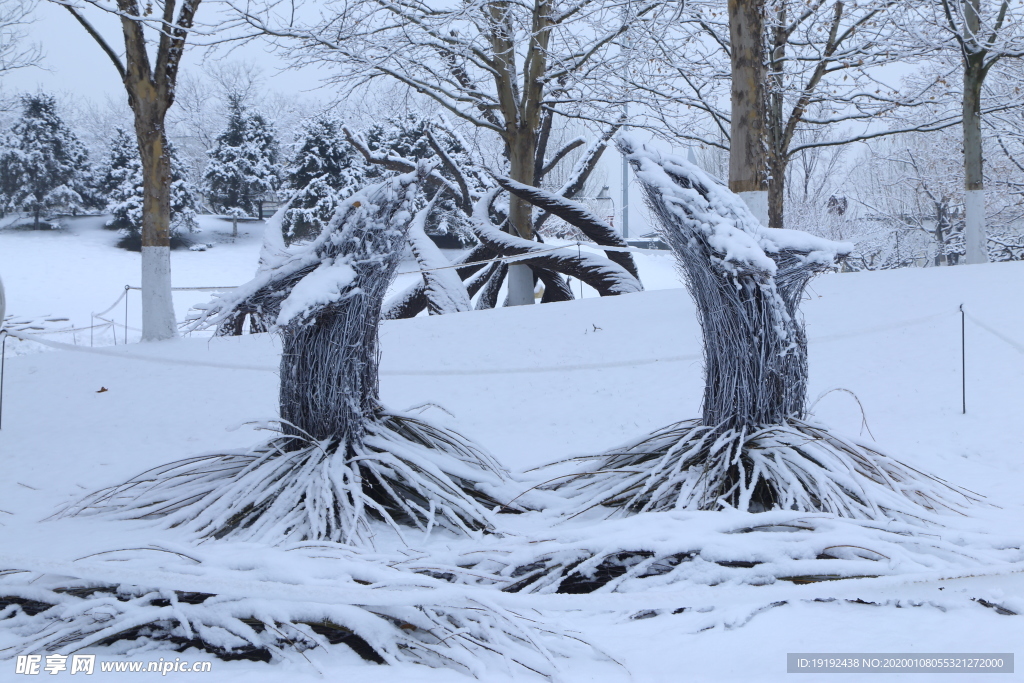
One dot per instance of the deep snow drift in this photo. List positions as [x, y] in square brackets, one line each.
[533, 384]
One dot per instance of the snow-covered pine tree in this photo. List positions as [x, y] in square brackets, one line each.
[407, 137]
[118, 164]
[120, 182]
[324, 171]
[44, 166]
[243, 167]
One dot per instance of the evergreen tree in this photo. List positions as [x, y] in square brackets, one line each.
[120, 181]
[121, 160]
[44, 166]
[243, 165]
[406, 136]
[325, 171]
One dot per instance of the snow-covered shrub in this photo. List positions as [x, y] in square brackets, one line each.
[325, 171]
[387, 615]
[681, 550]
[414, 137]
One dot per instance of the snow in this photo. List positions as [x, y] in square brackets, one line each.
[445, 290]
[328, 283]
[598, 372]
[723, 217]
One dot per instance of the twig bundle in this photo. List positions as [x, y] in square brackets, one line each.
[43, 613]
[404, 471]
[675, 550]
[795, 466]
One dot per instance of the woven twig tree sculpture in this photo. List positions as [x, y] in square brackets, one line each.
[752, 448]
[342, 458]
[481, 272]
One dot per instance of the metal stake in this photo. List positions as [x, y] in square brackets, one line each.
[963, 359]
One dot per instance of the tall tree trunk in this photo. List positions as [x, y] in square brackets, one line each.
[775, 124]
[974, 184]
[158, 321]
[777, 164]
[941, 231]
[522, 156]
[747, 152]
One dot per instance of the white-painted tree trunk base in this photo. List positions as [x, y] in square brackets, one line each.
[520, 285]
[975, 239]
[757, 202]
[158, 321]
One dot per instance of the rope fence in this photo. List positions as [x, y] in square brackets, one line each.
[37, 338]
[112, 353]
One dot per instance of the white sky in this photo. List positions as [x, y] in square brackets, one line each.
[74, 64]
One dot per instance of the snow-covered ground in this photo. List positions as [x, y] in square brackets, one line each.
[535, 384]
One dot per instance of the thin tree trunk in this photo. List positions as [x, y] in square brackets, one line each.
[747, 151]
[775, 125]
[776, 190]
[522, 155]
[941, 223]
[974, 184]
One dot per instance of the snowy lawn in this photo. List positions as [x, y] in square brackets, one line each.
[532, 385]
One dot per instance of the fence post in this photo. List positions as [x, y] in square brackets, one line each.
[963, 360]
[126, 288]
[3, 352]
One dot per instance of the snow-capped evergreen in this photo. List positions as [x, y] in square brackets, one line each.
[325, 171]
[43, 166]
[407, 136]
[243, 167]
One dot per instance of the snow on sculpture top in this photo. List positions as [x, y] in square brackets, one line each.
[292, 281]
[704, 205]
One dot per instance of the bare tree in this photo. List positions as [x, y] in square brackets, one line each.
[908, 191]
[985, 33]
[15, 50]
[818, 65]
[150, 84]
